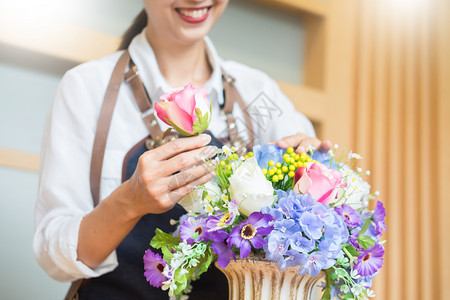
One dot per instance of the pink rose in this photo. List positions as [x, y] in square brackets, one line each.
[186, 110]
[319, 181]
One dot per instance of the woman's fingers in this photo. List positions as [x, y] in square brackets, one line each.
[187, 176]
[325, 146]
[187, 159]
[178, 146]
[301, 142]
[176, 195]
[290, 141]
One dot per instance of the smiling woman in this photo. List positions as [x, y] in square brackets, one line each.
[108, 178]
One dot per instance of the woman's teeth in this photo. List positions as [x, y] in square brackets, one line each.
[194, 13]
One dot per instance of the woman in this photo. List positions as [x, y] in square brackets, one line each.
[73, 239]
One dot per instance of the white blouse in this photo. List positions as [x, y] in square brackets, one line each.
[64, 196]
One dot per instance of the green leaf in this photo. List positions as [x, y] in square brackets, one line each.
[202, 122]
[182, 280]
[178, 129]
[327, 288]
[365, 227]
[206, 263]
[163, 239]
[167, 254]
[366, 241]
[351, 250]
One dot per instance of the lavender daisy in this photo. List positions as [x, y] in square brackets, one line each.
[250, 231]
[224, 252]
[370, 261]
[154, 266]
[378, 216]
[350, 215]
[223, 219]
[193, 230]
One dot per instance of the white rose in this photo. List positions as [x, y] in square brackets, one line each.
[193, 201]
[250, 188]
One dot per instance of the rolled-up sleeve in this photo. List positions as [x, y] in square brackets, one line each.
[64, 191]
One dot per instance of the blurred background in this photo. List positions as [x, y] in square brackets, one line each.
[373, 76]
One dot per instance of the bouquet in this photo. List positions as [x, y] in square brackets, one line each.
[308, 210]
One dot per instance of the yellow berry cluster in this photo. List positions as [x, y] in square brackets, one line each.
[276, 172]
[225, 165]
[250, 154]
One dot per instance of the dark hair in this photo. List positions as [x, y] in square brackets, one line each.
[138, 25]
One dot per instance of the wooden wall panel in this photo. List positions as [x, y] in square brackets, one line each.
[401, 118]
[442, 152]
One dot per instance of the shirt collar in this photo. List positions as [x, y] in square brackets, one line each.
[144, 57]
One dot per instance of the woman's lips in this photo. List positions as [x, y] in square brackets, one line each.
[193, 15]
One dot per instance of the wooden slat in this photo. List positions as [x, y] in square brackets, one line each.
[379, 106]
[363, 84]
[427, 145]
[313, 7]
[19, 160]
[412, 173]
[56, 39]
[442, 64]
[393, 192]
[339, 72]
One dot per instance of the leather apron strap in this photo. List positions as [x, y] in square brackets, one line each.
[231, 97]
[98, 149]
[103, 124]
[147, 111]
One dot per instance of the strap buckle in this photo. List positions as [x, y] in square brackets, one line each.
[135, 73]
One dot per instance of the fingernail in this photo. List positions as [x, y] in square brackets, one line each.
[205, 138]
[300, 149]
[281, 144]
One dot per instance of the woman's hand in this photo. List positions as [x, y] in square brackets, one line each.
[301, 142]
[154, 188]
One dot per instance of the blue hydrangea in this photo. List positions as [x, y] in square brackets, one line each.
[306, 233]
[267, 152]
[324, 159]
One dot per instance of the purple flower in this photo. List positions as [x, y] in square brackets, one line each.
[250, 231]
[349, 214]
[193, 230]
[354, 242]
[217, 236]
[378, 216]
[223, 219]
[154, 267]
[224, 252]
[267, 152]
[370, 261]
